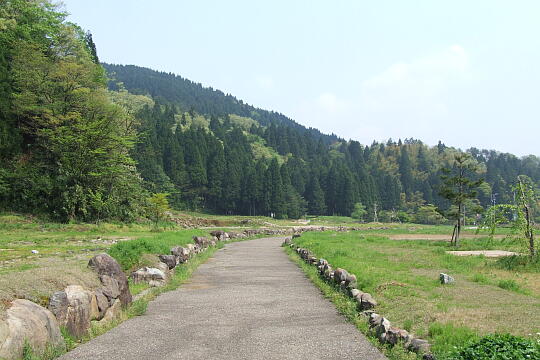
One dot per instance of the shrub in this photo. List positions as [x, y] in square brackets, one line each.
[510, 285]
[499, 347]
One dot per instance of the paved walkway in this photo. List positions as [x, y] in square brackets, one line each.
[247, 302]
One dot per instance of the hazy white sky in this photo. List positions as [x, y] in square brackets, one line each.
[464, 72]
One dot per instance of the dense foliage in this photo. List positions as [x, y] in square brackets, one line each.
[218, 154]
[63, 149]
[500, 347]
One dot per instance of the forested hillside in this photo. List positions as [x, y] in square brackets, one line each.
[71, 149]
[214, 154]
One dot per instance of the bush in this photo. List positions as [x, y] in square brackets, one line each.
[519, 262]
[499, 347]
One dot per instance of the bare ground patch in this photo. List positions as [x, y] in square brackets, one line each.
[486, 253]
[436, 237]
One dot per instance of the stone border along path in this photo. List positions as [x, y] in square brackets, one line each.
[249, 301]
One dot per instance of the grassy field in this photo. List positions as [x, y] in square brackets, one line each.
[398, 263]
[489, 295]
[63, 251]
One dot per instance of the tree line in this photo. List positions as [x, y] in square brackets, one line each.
[80, 140]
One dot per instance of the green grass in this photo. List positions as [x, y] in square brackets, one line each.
[129, 253]
[403, 278]
[347, 307]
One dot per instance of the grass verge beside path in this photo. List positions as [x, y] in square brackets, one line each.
[347, 307]
[403, 278]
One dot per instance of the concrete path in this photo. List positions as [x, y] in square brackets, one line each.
[247, 302]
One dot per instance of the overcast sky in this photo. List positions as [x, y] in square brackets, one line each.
[463, 72]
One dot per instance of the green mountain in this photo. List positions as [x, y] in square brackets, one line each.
[73, 148]
[318, 173]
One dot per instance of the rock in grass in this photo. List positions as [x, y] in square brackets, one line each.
[395, 335]
[446, 279]
[201, 241]
[181, 254]
[340, 275]
[367, 302]
[351, 281]
[169, 260]
[104, 264]
[419, 346]
[355, 292]
[374, 319]
[381, 328]
[28, 322]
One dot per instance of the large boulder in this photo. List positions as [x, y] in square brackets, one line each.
[79, 312]
[112, 312]
[104, 264]
[26, 321]
[102, 302]
[58, 305]
[111, 287]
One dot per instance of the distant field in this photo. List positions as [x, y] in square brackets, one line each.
[403, 276]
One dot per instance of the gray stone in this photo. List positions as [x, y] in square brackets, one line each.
[374, 319]
[419, 346]
[102, 302]
[340, 275]
[111, 288]
[446, 279]
[169, 260]
[355, 292]
[382, 327]
[367, 302]
[201, 241]
[26, 321]
[58, 305]
[79, 310]
[395, 335]
[104, 264]
[152, 276]
[113, 312]
[351, 281]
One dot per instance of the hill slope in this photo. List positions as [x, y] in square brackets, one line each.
[217, 153]
[190, 95]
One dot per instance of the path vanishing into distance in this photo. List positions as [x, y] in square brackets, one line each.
[249, 301]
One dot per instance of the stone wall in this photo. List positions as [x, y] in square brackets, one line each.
[75, 308]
